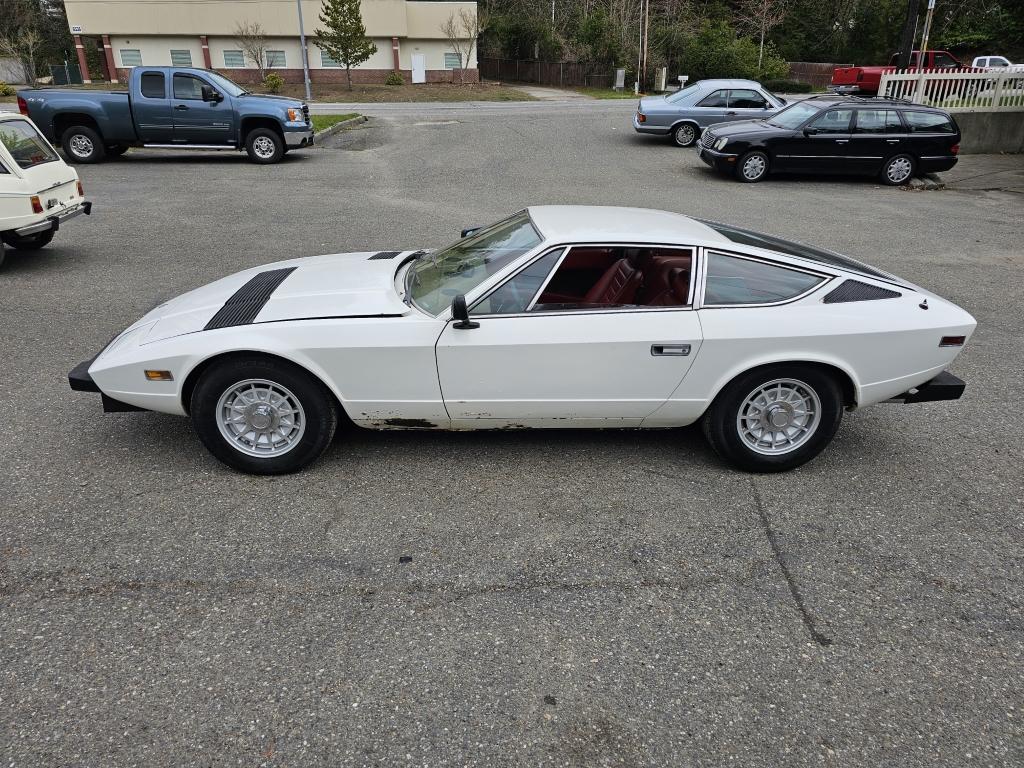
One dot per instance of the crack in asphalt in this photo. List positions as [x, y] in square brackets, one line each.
[773, 542]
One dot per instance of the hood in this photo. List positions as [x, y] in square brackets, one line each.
[284, 101]
[339, 285]
[741, 127]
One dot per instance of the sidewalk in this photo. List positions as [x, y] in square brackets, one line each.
[976, 173]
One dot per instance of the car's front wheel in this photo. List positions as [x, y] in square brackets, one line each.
[262, 415]
[28, 242]
[774, 418]
[264, 146]
[685, 135]
[752, 167]
[82, 144]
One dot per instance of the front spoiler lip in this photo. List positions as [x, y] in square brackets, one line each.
[80, 381]
[945, 386]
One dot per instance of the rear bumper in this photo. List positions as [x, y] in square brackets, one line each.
[52, 223]
[844, 89]
[945, 386]
[645, 127]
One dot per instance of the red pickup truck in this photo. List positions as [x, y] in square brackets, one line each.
[866, 79]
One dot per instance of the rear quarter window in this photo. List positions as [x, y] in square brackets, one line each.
[26, 146]
[928, 122]
[732, 280]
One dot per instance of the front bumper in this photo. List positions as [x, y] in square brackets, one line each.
[721, 161]
[299, 139]
[945, 386]
[52, 223]
[81, 381]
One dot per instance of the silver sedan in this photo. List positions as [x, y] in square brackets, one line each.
[685, 113]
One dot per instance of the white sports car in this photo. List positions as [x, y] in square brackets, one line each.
[558, 316]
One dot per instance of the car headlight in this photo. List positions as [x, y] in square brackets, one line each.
[721, 143]
[295, 115]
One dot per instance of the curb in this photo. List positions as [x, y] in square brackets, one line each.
[342, 125]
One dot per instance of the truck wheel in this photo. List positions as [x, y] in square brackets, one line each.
[28, 242]
[264, 146]
[1, 253]
[82, 144]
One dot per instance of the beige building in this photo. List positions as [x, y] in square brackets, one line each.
[201, 33]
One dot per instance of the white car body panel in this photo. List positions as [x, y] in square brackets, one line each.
[391, 365]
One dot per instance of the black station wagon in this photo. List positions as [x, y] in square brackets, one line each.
[892, 139]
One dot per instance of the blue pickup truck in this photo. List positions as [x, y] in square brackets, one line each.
[169, 108]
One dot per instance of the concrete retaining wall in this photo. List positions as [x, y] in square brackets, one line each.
[984, 132]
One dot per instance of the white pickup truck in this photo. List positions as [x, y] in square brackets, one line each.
[38, 190]
[996, 64]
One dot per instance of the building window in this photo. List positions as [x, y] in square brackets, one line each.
[276, 60]
[452, 61]
[181, 58]
[234, 59]
[131, 57]
[327, 61]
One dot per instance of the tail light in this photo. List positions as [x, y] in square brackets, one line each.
[641, 117]
[23, 106]
[952, 341]
[37, 206]
[81, 189]
[955, 149]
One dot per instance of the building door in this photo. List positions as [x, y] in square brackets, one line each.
[419, 68]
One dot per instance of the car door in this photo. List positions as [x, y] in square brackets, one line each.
[197, 121]
[821, 146]
[536, 367]
[878, 133]
[747, 104]
[152, 109]
[712, 108]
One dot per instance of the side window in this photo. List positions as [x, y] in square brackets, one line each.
[276, 59]
[3, 170]
[997, 61]
[878, 121]
[188, 87]
[716, 99]
[833, 121]
[945, 61]
[131, 57]
[732, 280]
[234, 59]
[747, 100]
[515, 295]
[181, 58]
[154, 85]
[928, 122]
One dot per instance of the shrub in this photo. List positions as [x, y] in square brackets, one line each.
[787, 86]
[714, 51]
[5, 89]
[394, 78]
[273, 82]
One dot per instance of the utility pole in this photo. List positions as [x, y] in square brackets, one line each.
[927, 31]
[305, 53]
[909, 33]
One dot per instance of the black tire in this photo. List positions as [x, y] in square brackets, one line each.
[28, 242]
[904, 164]
[721, 422]
[685, 135]
[256, 144]
[81, 144]
[2, 249]
[756, 159]
[319, 413]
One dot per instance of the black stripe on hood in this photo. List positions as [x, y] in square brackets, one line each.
[247, 301]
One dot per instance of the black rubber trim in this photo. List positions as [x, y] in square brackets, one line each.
[79, 377]
[247, 301]
[384, 255]
[110, 405]
[945, 386]
[855, 290]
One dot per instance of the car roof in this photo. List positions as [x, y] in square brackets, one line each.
[732, 83]
[599, 223]
[827, 100]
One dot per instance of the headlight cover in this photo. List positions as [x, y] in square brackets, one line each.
[721, 143]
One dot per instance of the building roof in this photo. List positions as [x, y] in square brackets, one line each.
[589, 223]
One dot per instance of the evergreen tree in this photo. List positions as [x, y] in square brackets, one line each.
[344, 35]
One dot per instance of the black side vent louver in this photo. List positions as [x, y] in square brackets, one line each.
[247, 301]
[384, 255]
[854, 290]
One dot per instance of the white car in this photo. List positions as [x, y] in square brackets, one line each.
[38, 190]
[996, 64]
[559, 316]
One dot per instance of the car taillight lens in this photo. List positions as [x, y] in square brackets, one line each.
[37, 206]
[81, 189]
[955, 149]
[641, 117]
[952, 341]
[23, 106]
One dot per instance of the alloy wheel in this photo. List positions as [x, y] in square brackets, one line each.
[779, 416]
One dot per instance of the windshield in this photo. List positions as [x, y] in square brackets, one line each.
[674, 97]
[225, 85]
[793, 116]
[433, 281]
[25, 144]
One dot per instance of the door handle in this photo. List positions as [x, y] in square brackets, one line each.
[842, 141]
[662, 350]
[182, 107]
[730, 113]
[892, 141]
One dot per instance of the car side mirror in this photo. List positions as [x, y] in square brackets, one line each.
[460, 313]
[471, 230]
[810, 131]
[211, 95]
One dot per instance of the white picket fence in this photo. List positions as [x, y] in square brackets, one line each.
[957, 90]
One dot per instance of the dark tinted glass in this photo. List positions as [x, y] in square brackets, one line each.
[188, 87]
[716, 99]
[928, 122]
[878, 121]
[153, 85]
[732, 280]
[747, 100]
[833, 121]
[943, 60]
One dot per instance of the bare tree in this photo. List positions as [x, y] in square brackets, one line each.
[20, 37]
[250, 37]
[462, 32]
[760, 17]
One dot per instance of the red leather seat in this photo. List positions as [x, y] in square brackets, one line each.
[618, 285]
[658, 289]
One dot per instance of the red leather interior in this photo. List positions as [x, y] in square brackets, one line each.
[618, 285]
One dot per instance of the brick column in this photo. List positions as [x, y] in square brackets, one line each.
[394, 54]
[82, 63]
[109, 54]
[205, 42]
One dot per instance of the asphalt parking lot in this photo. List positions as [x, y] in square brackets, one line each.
[549, 598]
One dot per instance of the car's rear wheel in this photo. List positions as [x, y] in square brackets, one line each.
[28, 242]
[685, 134]
[774, 418]
[81, 144]
[262, 415]
[898, 170]
[752, 167]
[264, 146]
